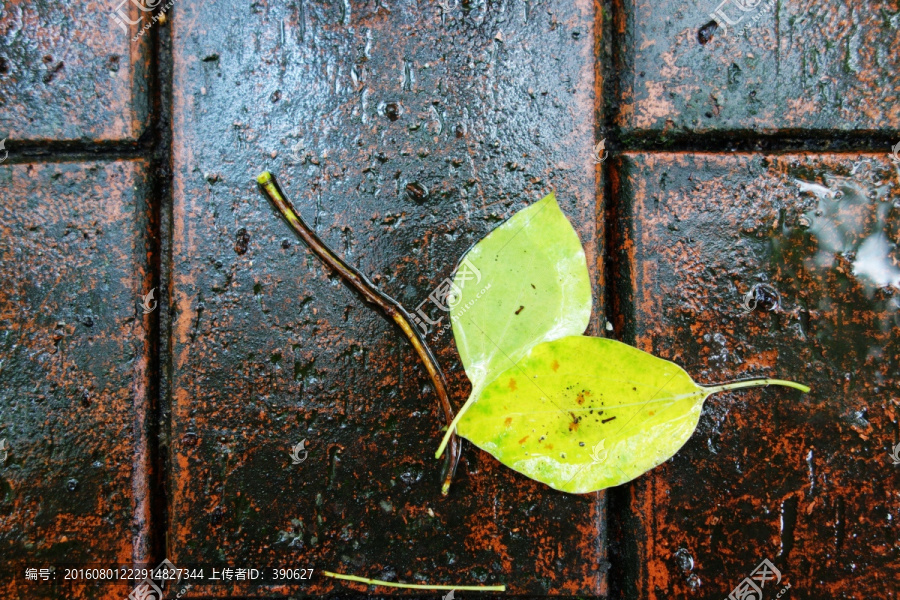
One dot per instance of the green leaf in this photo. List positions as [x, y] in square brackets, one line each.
[525, 283]
[582, 413]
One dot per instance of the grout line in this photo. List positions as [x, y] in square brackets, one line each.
[162, 95]
[60, 152]
[725, 142]
[621, 543]
[618, 140]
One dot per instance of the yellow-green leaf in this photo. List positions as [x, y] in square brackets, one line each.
[583, 413]
[525, 283]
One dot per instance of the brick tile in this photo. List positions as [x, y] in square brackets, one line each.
[804, 480]
[69, 72]
[802, 64]
[73, 369]
[487, 110]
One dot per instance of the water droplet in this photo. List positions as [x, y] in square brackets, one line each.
[762, 297]
[393, 110]
[242, 241]
[694, 582]
[706, 32]
[416, 192]
[684, 560]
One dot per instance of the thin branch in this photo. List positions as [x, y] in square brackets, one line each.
[390, 307]
[415, 586]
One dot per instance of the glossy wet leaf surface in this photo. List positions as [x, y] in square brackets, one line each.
[539, 290]
[583, 413]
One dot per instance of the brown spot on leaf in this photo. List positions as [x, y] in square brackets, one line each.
[522, 441]
[521, 308]
[555, 366]
[508, 421]
[512, 385]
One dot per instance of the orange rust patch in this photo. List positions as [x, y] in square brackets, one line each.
[512, 384]
[555, 365]
[508, 421]
[579, 398]
[522, 441]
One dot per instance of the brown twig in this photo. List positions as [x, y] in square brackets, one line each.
[390, 307]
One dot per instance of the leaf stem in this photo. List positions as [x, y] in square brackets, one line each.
[414, 586]
[451, 429]
[372, 295]
[712, 389]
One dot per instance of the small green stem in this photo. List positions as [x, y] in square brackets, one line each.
[450, 430]
[712, 389]
[414, 586]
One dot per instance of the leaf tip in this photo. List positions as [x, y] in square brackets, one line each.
[264, 178]
[551, 197]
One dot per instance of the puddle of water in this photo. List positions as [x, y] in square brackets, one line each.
[839, 248]
[850, 223]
